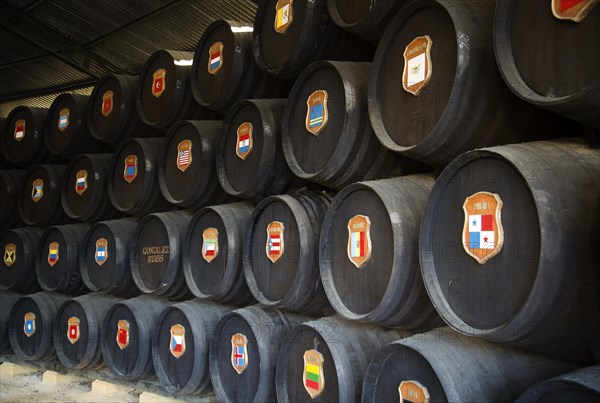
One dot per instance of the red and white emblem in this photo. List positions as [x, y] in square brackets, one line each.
[244, 142]
[107, 103]
[122, 334]
[20, 129]
[159, 82]
[275, 241]
[239, 352]
[184, 155]
[81, 184]
[177, 345]
[359, 240]
[210, 244]
[73, 332]
[483, 235]
[574, 10]
[215, 58]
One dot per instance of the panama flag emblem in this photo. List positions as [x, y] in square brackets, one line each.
[413, 391]
[574, 10]
[284, 15]
[483, 235]
[53, 253]
[177, 346]
[122, 334]
[101, 254]
[417, 65]
[215, 58]
[73, 329]
[313, 379]
[244, 140]
[275, 242]
[10, 254]
[317, 114]
[37, 190]
[19, 129]
[81, 182]
[107, 103]
[184, 155]
[29, 324]
[359, 240]
[239, 352]
[158, 82]
[210, 244]
[63, 119]
[130, 171]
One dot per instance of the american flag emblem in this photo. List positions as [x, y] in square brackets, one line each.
[184, 155]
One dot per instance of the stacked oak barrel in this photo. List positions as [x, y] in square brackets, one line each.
[296, 208]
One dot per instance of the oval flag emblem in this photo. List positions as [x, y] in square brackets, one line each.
[359, 240]
[275, 241]
[312, 377]
[483, 235]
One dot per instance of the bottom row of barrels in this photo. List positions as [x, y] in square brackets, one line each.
[264, 354]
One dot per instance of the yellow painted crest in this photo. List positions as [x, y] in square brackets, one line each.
[10, 254]
[313, 377]
[284, 15]
[53, 253]
[413, 391]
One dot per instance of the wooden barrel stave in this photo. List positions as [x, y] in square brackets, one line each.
[7, 299]
[18, 270]
[11, 188]
[45, 209]
[579, 386]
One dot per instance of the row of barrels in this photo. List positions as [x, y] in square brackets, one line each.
[263, 354]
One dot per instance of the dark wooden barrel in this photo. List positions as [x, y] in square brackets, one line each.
[336, 354]
[212, 254]
[244, 351]
[78, 330]
[31, 322]
[85, 188]
[369, 253]
[533, 219]
[127, 336]
[250, 160]
[180, 346]
[66, 131]
[155, 257]
[7, 299]
[165, 93]
[580, 386]
[327, 136]
[11, 188]
[366, 19]
[4, 164]
[104, 259]
[39, 203]
[569, 84]
[57, 263]
[112, 112]
[188, 164]
[443, 366]
[462, 103]
[281, 252]
[133, 186]
[19, 247]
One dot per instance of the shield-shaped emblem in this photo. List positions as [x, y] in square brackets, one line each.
[210, 244]
[184, 155]
[483, 235]
[244, 140]
[122, 334]
[177, 346]
[130, 171]
[574, 10]
[81, 184]
[19, 129]
[37, 190]
[317, 114]
[101, 254]
[73, 330]
[239, 352]
[10, 254]
[359, 240]
[275, 241]
[413, 391]
[53, 254]
[29, 324]
[417, 65]
[313, 379]
[107, 103]
[63, 119]
[215, 58]
[284, 15]
[159, 82]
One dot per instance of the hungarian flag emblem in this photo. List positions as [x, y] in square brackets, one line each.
[244, 140]
[107, 103]
[10, 254]
[101, 251]
[215, 57]
[158, 82]
[359, 240]
[81, 182]
[53, 253]
[184, 155]
[483, 235]
[413, 391]
[574, 10]
[210, 244]
[130, 171]
[73, 330]
[417, 65]
[313, 379]
[284, 15]
[275, 244]
[122, 334]
[177, 346]
[29, 324]
[63, 119]
[239, 352]
[317, 114]
[37, 190]
[19, 129]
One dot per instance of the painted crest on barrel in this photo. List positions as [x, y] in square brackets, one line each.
[122, 334]
[417, 65]
[413, 391]
[73, 331]
[239, 352]
[159, 82]
[177, 345]
[29, 324]
[284, 15]
[101, 254]
[63, 119]
[10, 254]
[37, 190]
[482, 235]
[184, 155]
[53, 253]
[317, 114]
[275, 241]
[19, 133]
[210, 244]
[244, 140]
[574, 10]
[107, 103]
[131, 170]
[359, 240]
[215, 58]
[313, 377]
[81, 184]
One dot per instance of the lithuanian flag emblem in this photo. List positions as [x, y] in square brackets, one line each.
[313, 379]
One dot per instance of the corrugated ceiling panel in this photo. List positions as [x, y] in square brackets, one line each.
[14, 48]
[41, 102]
